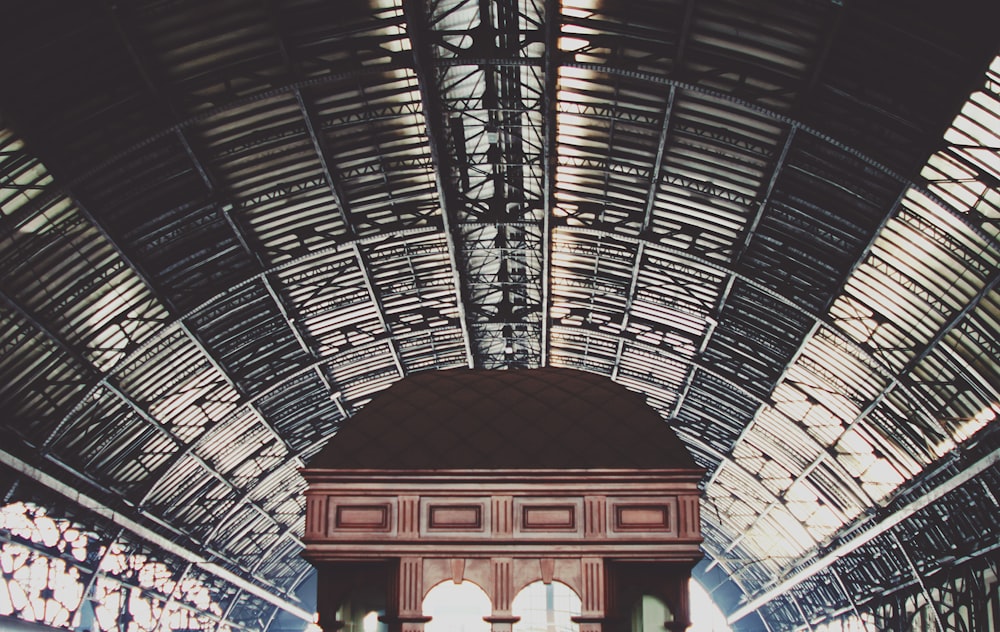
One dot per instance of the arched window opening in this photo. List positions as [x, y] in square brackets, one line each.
[370, 623]
[457, 608]
[649, 613]
[58, 574]
[546, 608]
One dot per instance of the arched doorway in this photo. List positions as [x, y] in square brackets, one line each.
[648, 614]
[546, 607]
[464, 485]
[457, 608]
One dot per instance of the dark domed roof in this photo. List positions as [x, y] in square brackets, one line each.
[484, 419]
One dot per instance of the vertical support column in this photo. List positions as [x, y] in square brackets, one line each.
[850, 598]
[931, 602]
[502, 619]
[329, 591]
[680, 602]
[406, 594]
[594, 607]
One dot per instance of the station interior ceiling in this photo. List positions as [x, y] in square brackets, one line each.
[226, 226]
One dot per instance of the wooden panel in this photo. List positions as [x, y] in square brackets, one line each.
[539, 517]
[373, 517]
[357, 515]
[463, 518]
[642, 517]
[548, 517]
[455, 517]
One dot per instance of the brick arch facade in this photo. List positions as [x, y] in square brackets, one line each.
[607, 520]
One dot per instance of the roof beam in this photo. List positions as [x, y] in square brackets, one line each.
[376, 299]
[654, 180]
[550, 119]
[330, 173]
[765, 198]
[932, 496]
[116, 390]
[199, 116]
[286, 313]
[833, 296]
[731, 273]
[661, 146]
[423, 64]
[137, 61]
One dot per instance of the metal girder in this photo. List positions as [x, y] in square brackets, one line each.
[287, 313]
[416, 27]
[846, 593]
[661, 147]
[553, 18]
[329, 170]
[379, 308]
[765, 197]
[210, 183]
[428, 63]
[847, 274]
[330, 173]
[917, 577]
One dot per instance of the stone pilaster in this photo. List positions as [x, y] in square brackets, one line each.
[502, 619]
[594, 597]
[406, 594]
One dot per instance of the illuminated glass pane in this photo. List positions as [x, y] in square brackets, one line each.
[546, 608]
[457, 608]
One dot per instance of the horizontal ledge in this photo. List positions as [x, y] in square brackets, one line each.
[571, 475]
[686, 551]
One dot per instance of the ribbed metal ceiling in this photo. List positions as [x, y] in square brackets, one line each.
[227, 226]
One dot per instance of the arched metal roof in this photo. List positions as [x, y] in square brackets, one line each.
[227, 225]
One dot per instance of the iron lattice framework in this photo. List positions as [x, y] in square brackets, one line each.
[227, 226]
